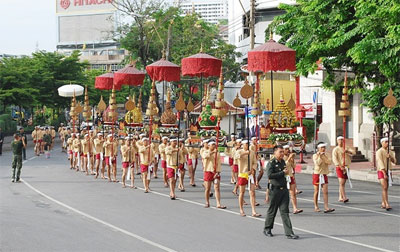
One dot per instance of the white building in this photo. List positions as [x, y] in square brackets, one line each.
[88, 26]
[209, 10]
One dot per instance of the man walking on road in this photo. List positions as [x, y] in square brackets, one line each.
[1, 142]
[17, 145]
[278, 194]
[23, 138]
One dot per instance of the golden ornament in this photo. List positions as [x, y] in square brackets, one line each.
[246, 91]
[390, 101]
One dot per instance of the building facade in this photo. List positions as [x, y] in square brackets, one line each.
[88, 25]
[211, 11]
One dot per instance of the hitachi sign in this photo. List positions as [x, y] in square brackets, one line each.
[90, 2]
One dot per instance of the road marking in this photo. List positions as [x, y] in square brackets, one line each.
[98, 220]
[277, 223]
[398, 197]
[333, 204]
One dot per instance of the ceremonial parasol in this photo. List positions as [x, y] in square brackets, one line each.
[128, 75]
[70, 90]
[201, 65]
[271, 56]
[164, 70]
[105, 82]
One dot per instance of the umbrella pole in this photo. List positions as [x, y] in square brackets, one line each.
[201, 92]
[272, 92]
[163, 96]
[177, 153]
[248, 132]
[217, 144]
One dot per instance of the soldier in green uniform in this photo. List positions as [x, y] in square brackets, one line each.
[278, 194]
[17, 145]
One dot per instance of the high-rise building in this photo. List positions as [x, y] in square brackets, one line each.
[88, 25]
[211, 11]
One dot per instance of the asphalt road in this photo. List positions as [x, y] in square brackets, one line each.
[57, 209]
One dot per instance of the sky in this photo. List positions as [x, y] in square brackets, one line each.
[25, 24]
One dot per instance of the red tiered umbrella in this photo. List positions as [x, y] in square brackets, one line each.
[164, 70]
[201, 65]
[271, 56]
[105, 82]
[128, 75]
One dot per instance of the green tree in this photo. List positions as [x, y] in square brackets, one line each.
[16, 75]
[361, 35]
[53, 70]
[155, 28]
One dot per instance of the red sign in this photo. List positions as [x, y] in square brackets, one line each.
[91, 2]
[65, 3]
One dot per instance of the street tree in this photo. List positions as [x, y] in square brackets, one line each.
[360, 35]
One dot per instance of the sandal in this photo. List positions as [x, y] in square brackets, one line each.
[329, 210]
[388, 208]
[235, 193]
[257, 204]
[206, 205]
[298, 211]
[256, 215]
[243, 214]
[346, 200]
[317, 210]
[221, 207]
[298, 192]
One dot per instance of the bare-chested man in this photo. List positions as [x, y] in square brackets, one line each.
[163, 156]
[247, 168]
[212, 174]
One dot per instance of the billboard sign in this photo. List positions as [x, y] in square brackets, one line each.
[71, 7]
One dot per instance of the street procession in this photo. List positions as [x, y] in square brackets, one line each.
[223, 125]
[145, 146]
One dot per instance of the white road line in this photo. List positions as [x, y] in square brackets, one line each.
[349, 207]
[398, 197]
[98, 220]
[277, 223]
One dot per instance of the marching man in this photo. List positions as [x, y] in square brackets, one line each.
[172, 160]
[212, 173]
[291, 165]
[193, 154]
[146, 156]
[86, 153]
[110, 153]
[229, 151]
[320, 178]
[155, 146]
[247, 169]
[126, 155]
[236, 162]
[163, 156]
[384, 161]
[76, 149]
[183, 152]
[98, 147]
[337, 159]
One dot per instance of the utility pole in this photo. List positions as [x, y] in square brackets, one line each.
[252, 22]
